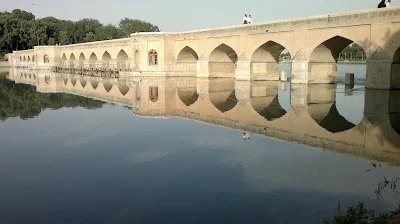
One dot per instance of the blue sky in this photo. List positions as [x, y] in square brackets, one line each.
[180, 15]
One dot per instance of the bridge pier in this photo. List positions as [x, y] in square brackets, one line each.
[379, 75]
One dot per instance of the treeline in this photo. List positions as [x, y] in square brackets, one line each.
[19, 100]
[353, 52]
[20, 30]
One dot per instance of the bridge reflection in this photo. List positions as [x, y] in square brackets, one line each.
[312, 119]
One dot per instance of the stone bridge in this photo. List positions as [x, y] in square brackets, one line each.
[244, 52]
[252, 106]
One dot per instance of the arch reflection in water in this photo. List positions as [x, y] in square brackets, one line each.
[107, 86]
[188, 95]
[222, 94]
[312, 107]
[264, 99]
[83, 82]
[322, 108]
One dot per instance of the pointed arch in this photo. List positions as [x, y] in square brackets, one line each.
[82, 57]
[64, 57]
[20, 58]
[83, 82]
[395, 74]
[153, 57]
[106, 57]
[188, 95]
[46, 59]
[94, 84]
[73, 81]
[222, 61]
[123, 89]
[265, 61]
[328, 117]
[187, 59]
[323, 59]
[29, 58]
[72, 57]
[107, 86]
[93, 57]
[33, 59]
[122, 58]
[24, 59]
[222, 94]
[65, 81]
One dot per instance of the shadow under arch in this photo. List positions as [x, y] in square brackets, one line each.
[83, 82]
[123, 88]
[328, 117]
[94, 84]
[222, 94]
[395, 74]
[107, 86]
[73, 81]
[122, 58]
[92, 59]
[188, 95]
[323, 59]
[187, 59]
[222, 62]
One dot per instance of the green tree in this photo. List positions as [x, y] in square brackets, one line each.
[129, 26]
[89, 37]
[108, 32]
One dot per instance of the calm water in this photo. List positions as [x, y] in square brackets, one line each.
[91, 150]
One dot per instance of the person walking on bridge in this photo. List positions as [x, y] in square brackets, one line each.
[245, 19]
[249, 20]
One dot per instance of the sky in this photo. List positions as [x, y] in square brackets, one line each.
[183, 15]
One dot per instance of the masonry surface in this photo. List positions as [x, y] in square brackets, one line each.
[245, 52]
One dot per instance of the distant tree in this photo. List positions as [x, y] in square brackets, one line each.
[89, 37]
[108, 32]
[51, 41]
[129, 26]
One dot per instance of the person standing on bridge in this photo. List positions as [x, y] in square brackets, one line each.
[388, 3]
[249, 20]
[382, 4]
[245, 19]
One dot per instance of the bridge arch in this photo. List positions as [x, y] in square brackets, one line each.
[83, 82]
[93, 60]
[265, 61]
[122, 58]
[123, 88]
[188, 96]
[72, 60]
[323, 59]
[94, 84]
[264, 98]
[395, 73]
[187, 59]
[106, 58]
[29, 58]
[222, 62]
[24, 59]
[81, 59]
[64, 58]
[33, 59]
[107, 86]
[73, 81]
[222, 94]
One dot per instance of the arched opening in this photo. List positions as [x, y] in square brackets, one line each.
[29, 58]
[73, 81]
[46, 59]
[72, 60]
[106, 58]
[122, 58]
[323, 67]
[30, 75]
[83, 82]
[82, 59]
[107, 86]
[94, 84]
[33, 59]
[222, 94]
[222, 62]
[65, 81]
[394, 110]
[47, 79]
[265, 100]
[153, 93]
[137, 60]
[20, 58]
[123, 89]
[153, 57]
[187, 60]
[24, 59]
[265, 61]
[188, 95]
[92, 60]
[395, 75]
[323, 108]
